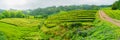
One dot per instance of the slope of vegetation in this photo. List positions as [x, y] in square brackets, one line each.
[100, 30]
[105, 30]
[53, 10]
[67, 25]
[70, 25]
[23, 22]
[115, 14]
[12, 32]
[71, 17]
[116, 5]
[58, 23]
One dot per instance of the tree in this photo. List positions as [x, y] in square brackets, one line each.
[6, 13]
[13, 14]
[116, 5]
[19, 14]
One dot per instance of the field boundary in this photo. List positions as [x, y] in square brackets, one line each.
[107, 18]
[8, 23]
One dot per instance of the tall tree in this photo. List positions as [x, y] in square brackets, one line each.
[13, 14]
[116, 5]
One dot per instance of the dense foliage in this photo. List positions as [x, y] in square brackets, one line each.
[2, 36]
[68, 25]
[54, 9]
[45, 12]
[12, 14]
[116, 5]
[23, 22]
[60, 23]
[105, 30]
[75, 16]
[65, 30]
[115, 14]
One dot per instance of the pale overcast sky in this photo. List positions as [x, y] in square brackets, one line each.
[31, 4]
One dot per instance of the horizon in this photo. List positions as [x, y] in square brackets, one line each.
[30, 4]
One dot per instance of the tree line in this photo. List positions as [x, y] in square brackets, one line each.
[44, 12]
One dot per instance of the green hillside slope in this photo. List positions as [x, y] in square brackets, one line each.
[68, 25]
[115, 14]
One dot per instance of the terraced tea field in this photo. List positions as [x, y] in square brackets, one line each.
[23, 22]
[115, 14]
[66, 25]
[76, 16]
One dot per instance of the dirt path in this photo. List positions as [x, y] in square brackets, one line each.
[106, 17]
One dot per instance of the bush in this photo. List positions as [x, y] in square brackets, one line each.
[116, 5]
[76, 25]
[2, 36]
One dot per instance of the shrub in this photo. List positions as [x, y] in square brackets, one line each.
[76, 25]
[2, 36]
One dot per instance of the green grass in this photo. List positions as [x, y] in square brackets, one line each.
[106, 8]
[64, 25]
[105, 30]
[71, 25]
[72, 17]
[2, 36]
[115, 14]
[10, 30]
[102, 30]
[14, 32]
[23, 22]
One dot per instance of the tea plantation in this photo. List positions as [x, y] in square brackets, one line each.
[66, 25]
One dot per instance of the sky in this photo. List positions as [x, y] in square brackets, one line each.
[32, 4]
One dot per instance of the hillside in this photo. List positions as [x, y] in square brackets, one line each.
[76, 16]
[64, 22]
[66, 25]
[60, 20]
[23, 22]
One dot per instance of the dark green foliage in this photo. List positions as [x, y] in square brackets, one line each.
[12, 14]
[72, 25]
[76, 16]
[68, 25]
[116, 5]
[53, 10]
[2, 36]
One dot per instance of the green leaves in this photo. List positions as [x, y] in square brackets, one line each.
[115, 14]
[2, 36]
[13, 14]
[116, 5]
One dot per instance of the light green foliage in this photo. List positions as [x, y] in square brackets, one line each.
[106, 8]
[71, 25]
[23, 22]
[68, 25]
[104, 30]
[115, 14]
[53, 10]
[71, 17]
[12, 32]
[13, 14]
